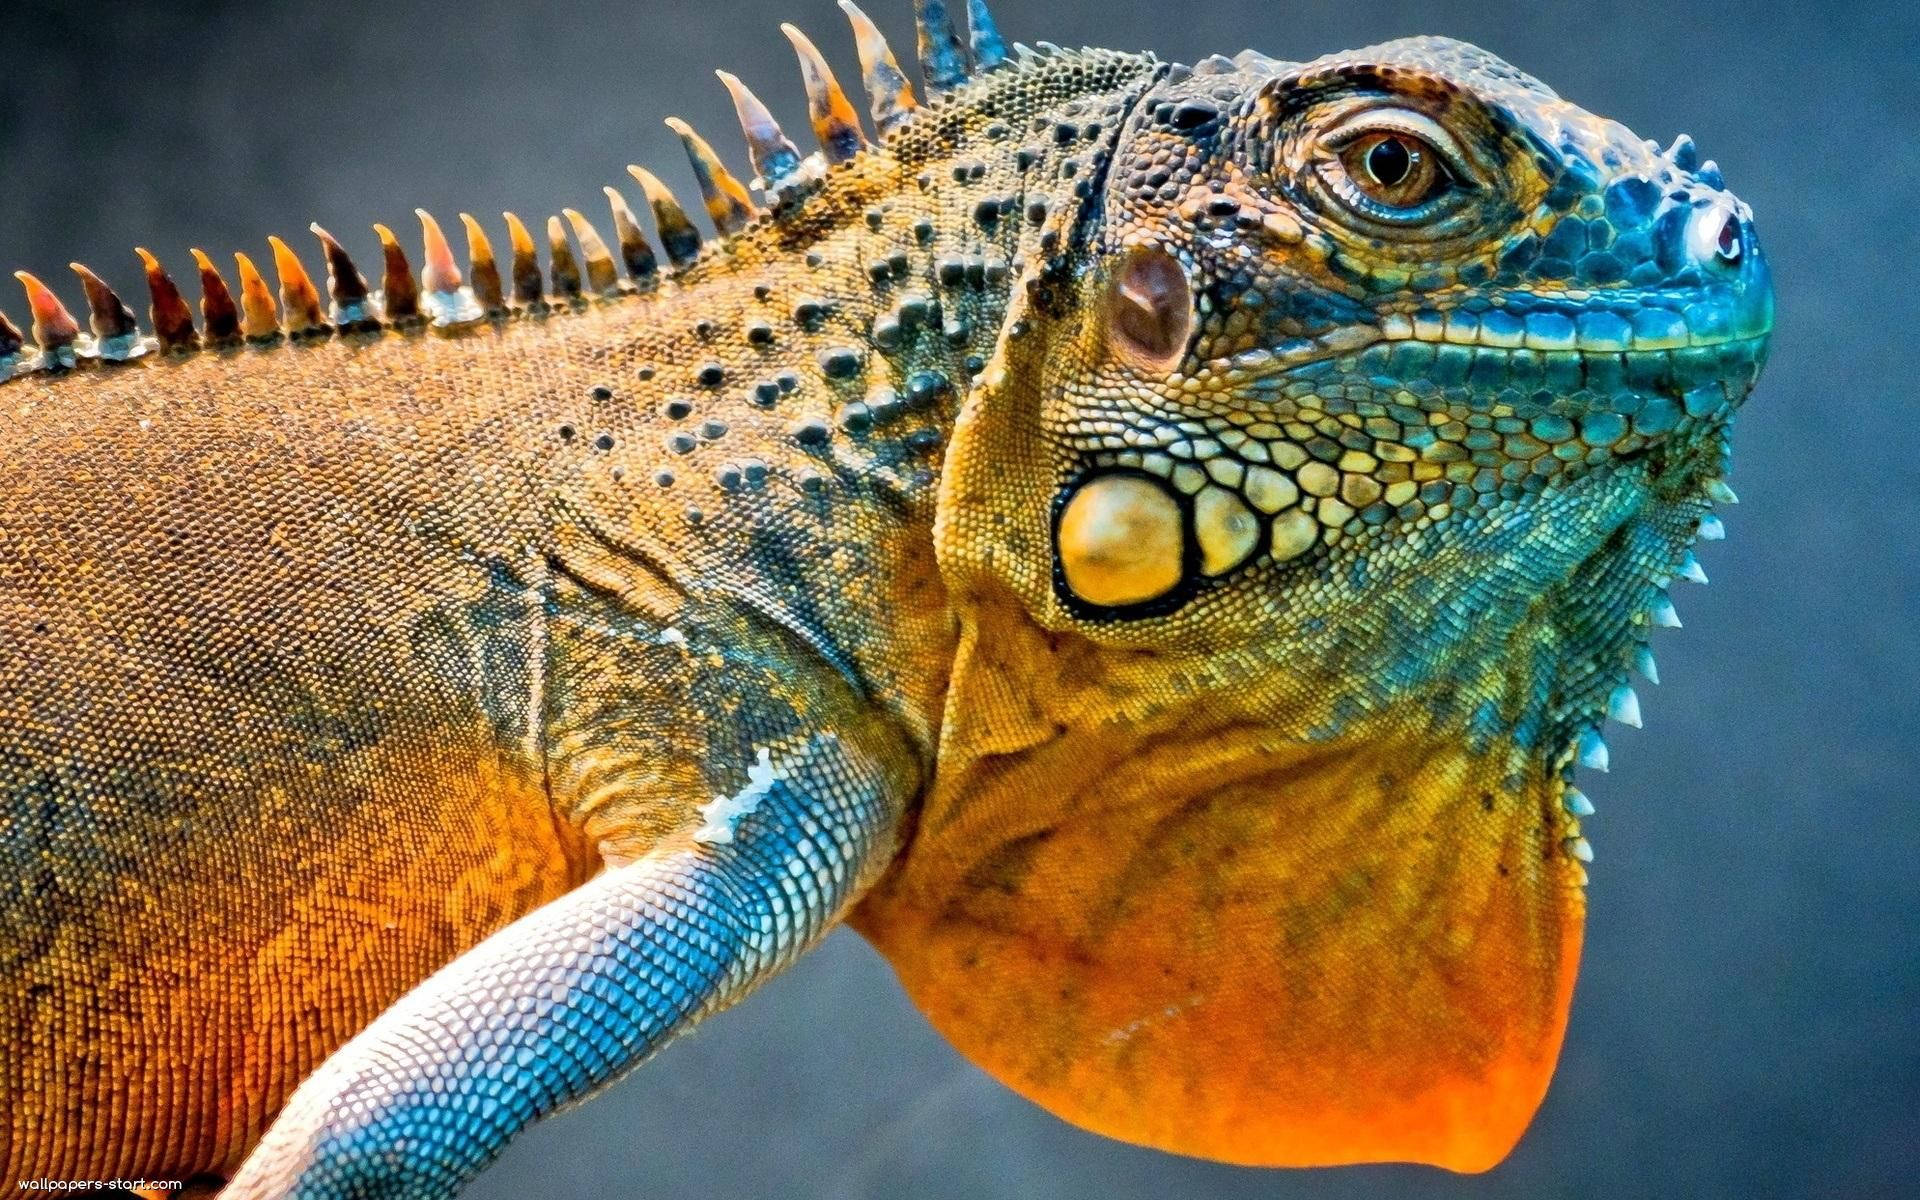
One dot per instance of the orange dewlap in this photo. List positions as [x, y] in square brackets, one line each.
[1276, 955]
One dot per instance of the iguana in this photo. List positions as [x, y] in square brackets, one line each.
[1148, 545]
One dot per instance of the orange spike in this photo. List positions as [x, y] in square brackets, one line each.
[216, 303]
[53, 326]
[602, 277]
[299, 299]
[527, 287]
[258, 319]
[677, 234]
[441, 274]
[634, 249]
[401, 297]
[728, 205]
[834, 121]
[889, 95]
[172, 319]
[345, 285]
[566, 272]
[116, 333]
[486, 272]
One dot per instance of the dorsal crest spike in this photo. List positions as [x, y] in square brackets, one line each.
[527, 286]
[989, 48]
[54, 329]
[172, 319]
[116, 334]
[943, 64]
[834, 121]
[565, 270]
[299, 299]
[217, 309]
[259, 320]
[481, 264]
[602, 276]
[776, 160]
[729, 205]
[677, 234]
[399, 295]
[635, 250]
[441, 273]
[11, 341]
[346, 287]
[890, 96]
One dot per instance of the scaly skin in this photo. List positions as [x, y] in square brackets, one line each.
[1073, 538]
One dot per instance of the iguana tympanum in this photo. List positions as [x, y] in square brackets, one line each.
[1148, 545]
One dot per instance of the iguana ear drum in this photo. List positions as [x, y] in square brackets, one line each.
[1150, 311]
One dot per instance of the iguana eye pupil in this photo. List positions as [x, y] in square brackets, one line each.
[1389, 161]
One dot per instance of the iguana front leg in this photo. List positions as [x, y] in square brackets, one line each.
[576, 993]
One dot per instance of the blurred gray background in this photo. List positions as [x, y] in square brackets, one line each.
[1748, 1016]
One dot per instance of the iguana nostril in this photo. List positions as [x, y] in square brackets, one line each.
[1715, 233]
[1728, 245]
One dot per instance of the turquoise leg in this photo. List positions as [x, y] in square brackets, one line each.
[573, 995]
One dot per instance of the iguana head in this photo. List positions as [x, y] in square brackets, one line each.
[1304, 529]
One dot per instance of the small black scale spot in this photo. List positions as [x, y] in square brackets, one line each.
[923, 230]
[814, 259]
[39, 626]
[811, 432]
[987, 211]
[875, 218]
[925, 387]
[566, 433]
[703, 330]
[602, 392]
[695, 516]
[878, 272]
[807, 313]
[840, 362]
[765, 393]
[885, 406]
[787, 380]
[603, 442]
[681, 443]
[762, 290]
[924, 440]
[664, 478]
[728, 477]
[646, 373]
[712, 375]
[713, 431]
[678, 409]
[1037, 212]
[855, 418]
[759, 333]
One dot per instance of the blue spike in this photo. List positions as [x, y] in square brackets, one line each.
[1682, 153]
[1720, 493]
[989, 51]
[1624, 707]
[1709, 174]
[1711, 530]
[1576, 802]
[942, 62]
[1593, 751]
[1580, 848]
[1690, 569]
[1643, 663]
[1663, 612]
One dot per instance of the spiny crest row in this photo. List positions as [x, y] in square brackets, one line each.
[444, 297]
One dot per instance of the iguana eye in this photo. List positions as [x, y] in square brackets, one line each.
[1393, 167]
